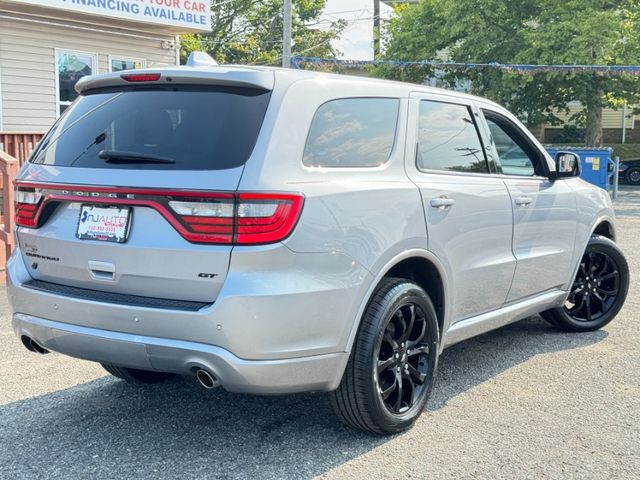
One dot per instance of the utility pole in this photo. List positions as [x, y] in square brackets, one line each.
[376, 28]
[286, 35]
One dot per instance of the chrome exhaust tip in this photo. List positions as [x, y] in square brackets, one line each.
[32, 345]
[207, 380]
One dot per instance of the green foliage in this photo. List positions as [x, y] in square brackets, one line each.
[603, 32]
[250, 31]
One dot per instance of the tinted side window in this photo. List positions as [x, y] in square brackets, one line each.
[448, 139]
[513, 158]
[352, 132]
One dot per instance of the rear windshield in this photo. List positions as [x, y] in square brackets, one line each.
[196, 128]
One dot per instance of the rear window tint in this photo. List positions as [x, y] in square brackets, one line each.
[352, 132]
[200, 128]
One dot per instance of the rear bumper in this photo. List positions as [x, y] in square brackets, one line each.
[315, 373]
[277, 326]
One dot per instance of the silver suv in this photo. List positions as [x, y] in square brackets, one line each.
[275, 231]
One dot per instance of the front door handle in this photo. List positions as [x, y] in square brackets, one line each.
[524, 201]
[442, 202]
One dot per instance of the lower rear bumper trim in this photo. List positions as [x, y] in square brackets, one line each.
[314, 373]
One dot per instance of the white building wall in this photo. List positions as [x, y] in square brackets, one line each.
[27, 62]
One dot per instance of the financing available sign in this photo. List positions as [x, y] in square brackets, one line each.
[190, 14]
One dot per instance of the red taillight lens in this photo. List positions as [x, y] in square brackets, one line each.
[27, 206]
[266, 218]
[242, 219]
[140, 77]
[200, 217]
[207, 221]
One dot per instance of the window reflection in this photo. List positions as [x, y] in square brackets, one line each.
[353, 132]
[448, 139]
[514, 160]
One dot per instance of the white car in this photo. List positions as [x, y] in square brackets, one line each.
[276, 231]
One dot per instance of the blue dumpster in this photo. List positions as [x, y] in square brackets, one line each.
[595, 163]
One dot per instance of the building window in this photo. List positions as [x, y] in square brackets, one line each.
[117, 64]
[72, 66]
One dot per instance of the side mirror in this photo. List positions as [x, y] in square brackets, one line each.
[567, 165]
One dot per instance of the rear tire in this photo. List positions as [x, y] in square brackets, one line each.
[598, 292]
[392, 367]
[132, 375]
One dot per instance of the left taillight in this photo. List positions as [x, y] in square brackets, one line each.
[27, 206]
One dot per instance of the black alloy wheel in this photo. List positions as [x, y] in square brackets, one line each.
[595, 289]
[403, 359]
[391, 370]
[598, 291]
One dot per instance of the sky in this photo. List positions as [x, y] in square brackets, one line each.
[356, 42]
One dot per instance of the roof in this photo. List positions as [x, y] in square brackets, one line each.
[263, 77]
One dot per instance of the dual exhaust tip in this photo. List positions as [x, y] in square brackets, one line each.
[206, 379]
[32, 345]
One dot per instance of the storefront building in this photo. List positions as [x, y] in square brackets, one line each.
[47, 45]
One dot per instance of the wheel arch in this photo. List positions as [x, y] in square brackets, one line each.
[421, 267]
[605, 227]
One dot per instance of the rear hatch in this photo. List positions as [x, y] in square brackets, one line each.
[133, 190]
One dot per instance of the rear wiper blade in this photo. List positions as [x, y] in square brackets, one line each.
[120, 156]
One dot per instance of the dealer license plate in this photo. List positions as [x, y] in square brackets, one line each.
[108, 224]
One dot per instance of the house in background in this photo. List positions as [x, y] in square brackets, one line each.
[47, 45]
[618, 126]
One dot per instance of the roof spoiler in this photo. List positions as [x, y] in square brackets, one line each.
[201, 69]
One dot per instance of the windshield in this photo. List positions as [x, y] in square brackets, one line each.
[198, 128]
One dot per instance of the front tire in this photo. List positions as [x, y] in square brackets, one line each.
[391, 370]
[133, 375]
[598, 292]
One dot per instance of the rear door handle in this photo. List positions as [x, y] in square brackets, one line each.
[442, 202]
[524, 201]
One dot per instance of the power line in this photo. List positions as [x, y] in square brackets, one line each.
[510, 67]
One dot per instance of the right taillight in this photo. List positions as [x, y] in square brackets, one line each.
[265, 218]
[241, 219]
[200, 217]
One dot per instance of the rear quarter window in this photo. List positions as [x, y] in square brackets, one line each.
[352, 132]
[200, 128]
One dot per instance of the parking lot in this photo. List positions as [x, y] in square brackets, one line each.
[525, 401]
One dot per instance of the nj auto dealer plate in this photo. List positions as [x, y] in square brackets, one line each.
[107, 224]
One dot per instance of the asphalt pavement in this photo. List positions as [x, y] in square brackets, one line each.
[525, 401]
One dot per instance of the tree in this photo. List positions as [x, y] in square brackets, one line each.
[250, 31]
[577, 32]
